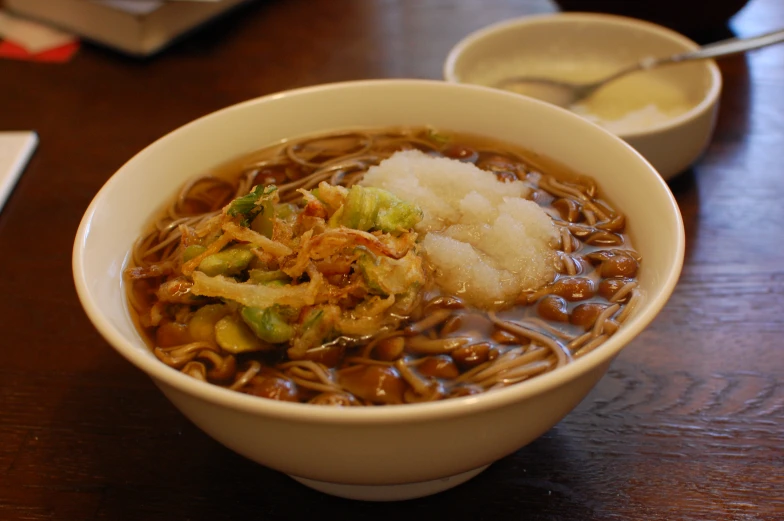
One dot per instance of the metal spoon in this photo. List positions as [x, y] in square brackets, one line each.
[565, 93]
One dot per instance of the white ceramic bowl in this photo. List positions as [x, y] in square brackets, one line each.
[391, 452]
[582, 46]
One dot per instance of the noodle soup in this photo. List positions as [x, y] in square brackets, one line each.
[310, 271]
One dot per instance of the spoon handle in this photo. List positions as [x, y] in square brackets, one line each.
[723, 48]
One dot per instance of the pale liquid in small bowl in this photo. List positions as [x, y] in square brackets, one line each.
[630, 104]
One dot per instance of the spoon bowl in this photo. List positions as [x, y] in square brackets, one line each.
[565, 93]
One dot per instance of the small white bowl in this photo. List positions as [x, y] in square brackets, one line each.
[391, 452]
[672, 134]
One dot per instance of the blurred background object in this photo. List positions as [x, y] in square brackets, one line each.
[695, 19]
[137, 27]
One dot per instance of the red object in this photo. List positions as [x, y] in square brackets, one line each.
[60, 54]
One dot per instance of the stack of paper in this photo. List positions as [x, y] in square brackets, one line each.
[15, 150]
[139, 27]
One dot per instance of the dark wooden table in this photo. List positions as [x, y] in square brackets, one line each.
[688, 424]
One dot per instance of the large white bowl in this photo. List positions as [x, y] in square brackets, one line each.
[391, 452]
[555, 44]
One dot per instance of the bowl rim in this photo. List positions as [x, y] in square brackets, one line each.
[421, 412]
[709, 99]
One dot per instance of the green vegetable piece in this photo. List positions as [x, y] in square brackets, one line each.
[252, 204]
[337, 218]
[194, 250]
[369, 208]
[358, 211]
[268, 324]
[398, 216]
[268, 277]
[226, 262]
[317, 327]
[245, 204]
[235, 337]
[264, 222]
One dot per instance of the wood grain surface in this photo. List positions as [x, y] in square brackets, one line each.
[687, 425]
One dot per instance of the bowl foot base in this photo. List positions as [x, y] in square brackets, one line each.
[390, 492]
